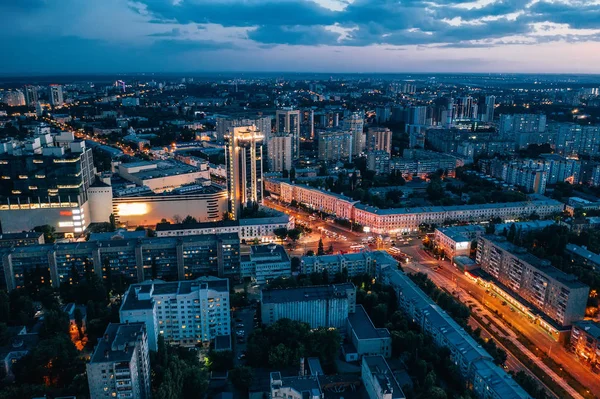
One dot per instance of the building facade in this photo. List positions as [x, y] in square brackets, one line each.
[379, 139]
[265, 263]
[318, 305]
[120, 364]
[561, 297]
[183, 312]
[280, 153]
[585, 340]
[287, 122]
[456, 241]
[335, 145]
[244, 157]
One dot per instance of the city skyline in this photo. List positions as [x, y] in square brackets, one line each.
[301, 36]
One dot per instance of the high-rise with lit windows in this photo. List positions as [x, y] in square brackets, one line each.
[183, 312]
[287, 121]
[56, 95]
[243, 159]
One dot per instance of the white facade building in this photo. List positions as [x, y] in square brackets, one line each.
[265, 263]
[184, 312]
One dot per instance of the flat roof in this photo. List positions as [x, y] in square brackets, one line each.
[590, 327]
[308, 293]
[363, 326]
[380, 370]
[20, 236]
[132, 301]
[118, 335]
[584, 253]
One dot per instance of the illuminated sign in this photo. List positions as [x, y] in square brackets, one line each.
[132, 209]
[66, 213]
[65, 224]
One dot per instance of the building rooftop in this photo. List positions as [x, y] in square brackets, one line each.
[268, 253]
[459, 233]
[584, 253]
[135, 300]
[363, 326]
[590, 327]
[118, 342]
[524, 226]
[500, 382]
[380, 370]
[20, 236]
[309, 293]
[543, 266]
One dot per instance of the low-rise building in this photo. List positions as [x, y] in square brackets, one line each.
[120, 364]
[21, 239]
[261, 229]
[585, 340]
[583, 255]
[364, 338]
[265, 263]
[352, 264]
[183, 312]
[18, 343]
[379, 380]
[162, 176]
[523, 227]
[318, 305]
[559, 296]
[457, 240]
[302, 387]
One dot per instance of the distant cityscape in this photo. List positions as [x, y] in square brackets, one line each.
[300, 236]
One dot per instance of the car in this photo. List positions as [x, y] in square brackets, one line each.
[239, 325]
[242, 356]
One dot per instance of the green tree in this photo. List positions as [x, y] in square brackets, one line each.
[281, 233]
[48, 231]
[220, 360]
[294, 234]
[320, 250]
[112, 221]
[295, 263]
[292, 174]
[189, 220]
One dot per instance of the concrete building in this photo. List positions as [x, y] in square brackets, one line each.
[379, 162]
[160, 176]
[301, 387]
[585, 340]
[400, 220]
[379, 139]
[521, 125]
[559, 296]
[183, 312]
[318, 305]
[287, 122]
[8, 240]
[364, 338]
[354, 124]
[574, 139]
[13, 98]
[56, 95]
[379, 379]
[488, 113]
[280, 153]
[265, 263]
[248, 229]
[335, 145]
[523, 227]
[243, 156]
[307, 123]
[120, 364]
[457, 240]
[31, 95]
[204, 203]
[474, 363]
[225, 124]
[583, 255]
[45, 181]
[124, 261]
[354, 264]
[421, 163]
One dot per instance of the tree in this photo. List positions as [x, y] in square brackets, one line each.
[512, 233]
[48, 232]
[241, 378]
[330, 250]
[112, 221]
[177, 219]
[294, 234]
[295, 264]
[320, 250]
[292, 174]
[78, 315]
[435, 191]
[189, 220]
[220, 360]
[281, 233]
[285, 174]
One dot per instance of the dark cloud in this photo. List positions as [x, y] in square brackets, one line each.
[294, 35]
[577, 14]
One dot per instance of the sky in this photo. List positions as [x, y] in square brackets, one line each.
[112, 36]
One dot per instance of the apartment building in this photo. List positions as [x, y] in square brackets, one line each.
[420, 163]
[354, 264]
[457, 240]
[475, 364]
[585, 340]
[183, 312]
[265, 263]
[379, 379]
[400, 220]
[318, 305]
[559, 296]
[129, 260]
[120, 364]
[248, 229]
[364, 339]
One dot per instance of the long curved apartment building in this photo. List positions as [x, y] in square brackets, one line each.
[401, 220]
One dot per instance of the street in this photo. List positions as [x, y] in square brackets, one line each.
[246, 315]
